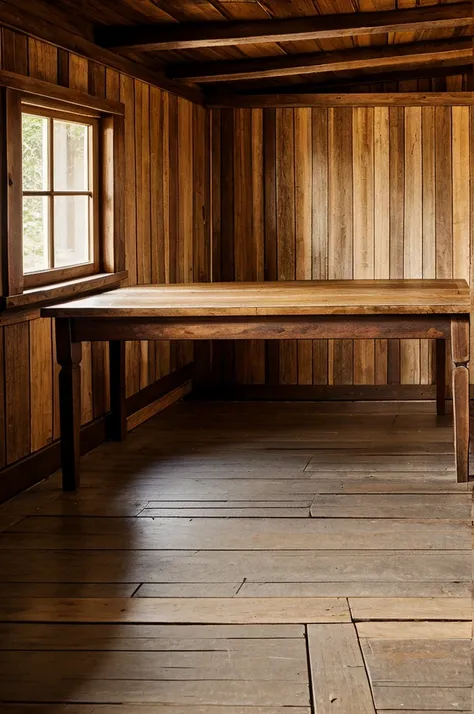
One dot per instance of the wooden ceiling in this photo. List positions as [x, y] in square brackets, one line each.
[276, 45]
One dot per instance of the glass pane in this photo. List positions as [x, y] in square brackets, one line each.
[35, 233]
[35, 152]
[71, 230]
[71, 163]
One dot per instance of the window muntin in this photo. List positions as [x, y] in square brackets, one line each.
[59, 195]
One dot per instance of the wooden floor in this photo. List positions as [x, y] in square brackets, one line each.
[245, 559]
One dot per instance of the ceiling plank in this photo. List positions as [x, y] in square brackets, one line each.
[17, 16]
[150, 38]
[284, 66]
[372, 99]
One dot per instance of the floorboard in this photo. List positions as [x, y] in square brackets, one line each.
[245, 559]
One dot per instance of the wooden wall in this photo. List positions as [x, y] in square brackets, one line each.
[167, 239]
[339, 193]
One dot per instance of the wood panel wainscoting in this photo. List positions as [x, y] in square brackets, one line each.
[335, 309]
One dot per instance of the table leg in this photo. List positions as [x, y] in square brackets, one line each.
[69, 355]
[118, 417]
[441, 377]
[460, 355]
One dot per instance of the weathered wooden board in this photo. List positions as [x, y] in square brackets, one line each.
[129, 691]
[57, 636]
[414, 630]
[362, 588]
[411, 608]
[418, 663]
[338, 673]
[239, 534]
[437, 698]
[410, 506]
[191, 566]
[178, 610]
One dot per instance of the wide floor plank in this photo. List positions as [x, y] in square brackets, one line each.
[183, 610]
[339, 679]
[411, 608]
[269, 534]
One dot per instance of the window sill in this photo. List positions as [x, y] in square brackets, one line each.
[67, 290]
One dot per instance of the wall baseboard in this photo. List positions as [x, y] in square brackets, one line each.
[19, 476]
[311, 393]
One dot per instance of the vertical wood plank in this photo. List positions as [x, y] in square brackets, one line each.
[429, 226]
[184, 254]
[320, 227]
[248, 221]
[132, 349]
[244, 257]
[79, 79]
[363, 233]
[257, 347]
[381, 221]
[216, 223]
[397, 220]
[201, 227]
[142, 164]
[285, 141]
[42, 60]
[340, 229]
[444, 194]
[461, 198]
[159, 239]
[303, 220]
[17, 391]
[173, 198]
[340, 194]
[244, 260]
[41, 383]
[14, 51]
[271, 232]
[100, 367]
[413, 236]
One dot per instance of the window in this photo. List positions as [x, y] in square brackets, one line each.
[62, 193]
[59, 169]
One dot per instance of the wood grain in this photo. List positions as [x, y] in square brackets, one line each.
[409, 147]
[338, 674]
[37, 66]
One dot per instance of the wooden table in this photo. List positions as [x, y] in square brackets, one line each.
[342, 309]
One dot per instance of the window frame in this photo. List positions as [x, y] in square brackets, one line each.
[18, 289]
[54, 275]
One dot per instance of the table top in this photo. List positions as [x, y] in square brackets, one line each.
[308, 297]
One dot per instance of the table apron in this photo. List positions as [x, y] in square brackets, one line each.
[262, 327]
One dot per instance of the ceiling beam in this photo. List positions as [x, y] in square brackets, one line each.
[150, 38]
[372, 99]
[330, 83]
[315, 63]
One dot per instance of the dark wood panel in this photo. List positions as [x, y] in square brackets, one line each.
[17, 391]
[151, 151]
